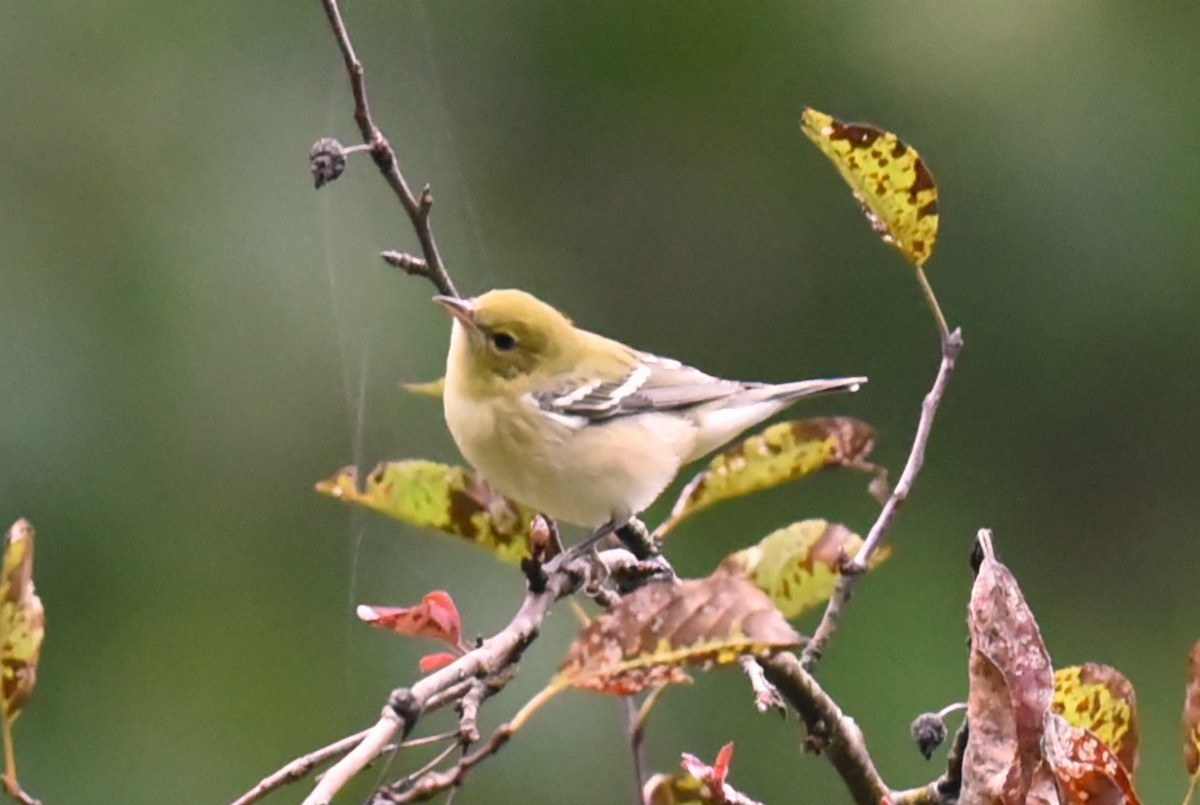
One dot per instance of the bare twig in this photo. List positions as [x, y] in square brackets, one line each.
[406, 705]
[434, 783]
[417, 207]
[916, 458]
[766, 697]
[300, 767]
[635, 731]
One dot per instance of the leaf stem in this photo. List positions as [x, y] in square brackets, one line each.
[931, 299]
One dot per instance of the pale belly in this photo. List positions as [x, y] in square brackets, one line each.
[575, 475]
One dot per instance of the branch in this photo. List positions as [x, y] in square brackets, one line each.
[830, 730]
[490, 659]
[851, 574]
[417, 207]
[300, 767]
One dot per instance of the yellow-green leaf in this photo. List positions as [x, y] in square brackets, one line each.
[643, 641]
[434, 388]
[783, 452]
[22, 620]
[798, 567]
[889, 179]
[1100, 699]
[22, 627]
[440, 496]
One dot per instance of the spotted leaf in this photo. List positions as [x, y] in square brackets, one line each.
[889, 179]
[786, 451]
[442, 497]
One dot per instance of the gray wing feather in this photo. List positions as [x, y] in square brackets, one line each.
[654, 384]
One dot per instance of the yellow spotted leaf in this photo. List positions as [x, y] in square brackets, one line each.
[645, 640]
[889, 179]
[784, 452]
[442, 497]
[798, 567]
[22, 627]
[433, 388]
[1100, 699]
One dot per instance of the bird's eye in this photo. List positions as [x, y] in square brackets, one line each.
[503, 341]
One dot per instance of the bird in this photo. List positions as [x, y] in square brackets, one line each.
[580, 427]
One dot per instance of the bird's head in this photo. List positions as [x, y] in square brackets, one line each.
[506, 336]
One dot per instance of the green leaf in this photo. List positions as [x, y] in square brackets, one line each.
[784, 452]
[798, 567]
[443, 497]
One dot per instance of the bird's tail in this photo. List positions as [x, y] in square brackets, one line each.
[725, 419]
[786, 392]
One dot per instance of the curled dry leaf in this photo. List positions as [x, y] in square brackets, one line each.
[786, 451]
[1011, 684]
[1100, 699]
[645, 639]
[889, 179]
[1085, 770]
[798, 566]
[440, 496]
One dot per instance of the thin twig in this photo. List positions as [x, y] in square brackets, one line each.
[407, 705]
[433, 783]
[635, 731]
[300, 767]
[766, 697]
[417, 207]
[916, 458]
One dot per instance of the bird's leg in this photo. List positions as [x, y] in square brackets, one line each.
[637, 538]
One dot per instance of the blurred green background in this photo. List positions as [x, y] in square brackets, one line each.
[190, 336]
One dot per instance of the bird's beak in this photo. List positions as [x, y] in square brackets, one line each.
[461, 309]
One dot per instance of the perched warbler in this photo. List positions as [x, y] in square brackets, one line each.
[581, 427]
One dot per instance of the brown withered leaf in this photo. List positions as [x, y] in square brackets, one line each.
[888, 177]
[22, 628]
[1011, 684]
[1100, 699]
[1086, 771]
[1191, 719]
[784, 452]
[800, 565]
[645, 639]
[443, 497]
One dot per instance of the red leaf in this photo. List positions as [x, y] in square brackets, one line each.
[436, 617]
[432, 662]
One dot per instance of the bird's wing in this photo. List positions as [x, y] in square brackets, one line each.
[651, 384]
